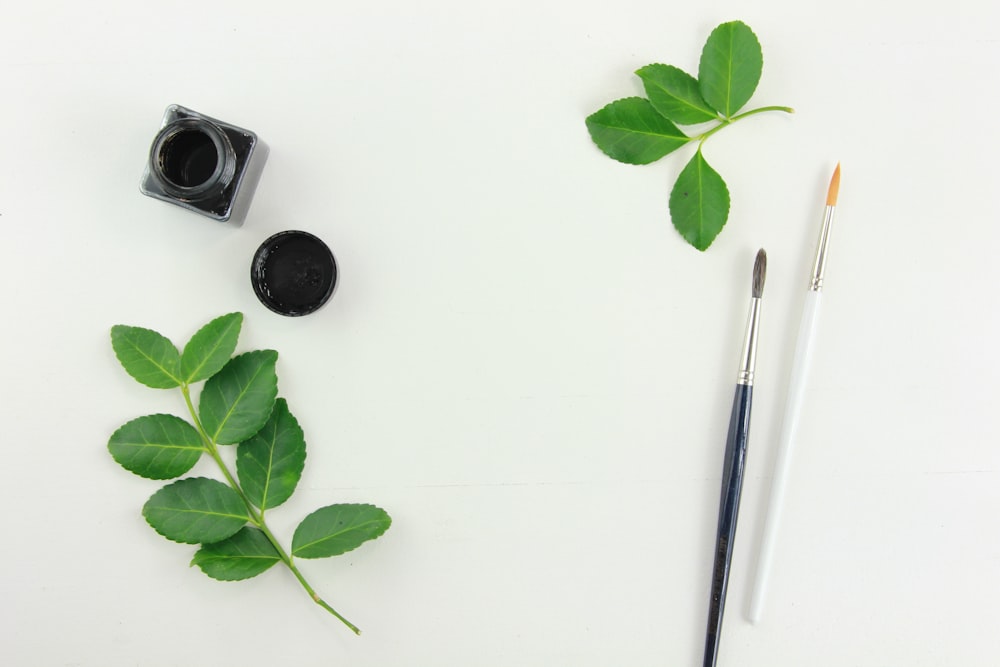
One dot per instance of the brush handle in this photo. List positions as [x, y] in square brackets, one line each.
[793, 404]
[729, 507]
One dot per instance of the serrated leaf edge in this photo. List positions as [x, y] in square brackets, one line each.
[194, 373]
[725, 218]
[245, 517]
[208, 557]
[199, 448]
[225, 420]
[682, 137]
[143, 354]
[241, 450]
[705, 109]
[234, 580]
[296, 550]
[589, 120]
[729, 88]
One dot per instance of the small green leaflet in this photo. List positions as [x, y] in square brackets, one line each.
[730, 67]
[237, 401]
[242, 556]
[195, 510]
[675, 94]
[147, 356]
[699, 203]
[157, 446]
[631, 131]
[636, 130]
[337, 529]
[210, 348]
[270, 463]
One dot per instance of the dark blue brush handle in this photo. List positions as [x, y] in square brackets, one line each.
[729, 507]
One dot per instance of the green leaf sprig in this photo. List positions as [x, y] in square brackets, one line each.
[238, 405]
[637, 130]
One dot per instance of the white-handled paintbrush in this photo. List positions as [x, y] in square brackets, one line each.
[796, 390]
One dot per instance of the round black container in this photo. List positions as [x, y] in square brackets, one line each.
[293, 273]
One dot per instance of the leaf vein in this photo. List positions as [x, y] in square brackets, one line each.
[155, 362]
[239, 397]
[326, 538]
[206, 357]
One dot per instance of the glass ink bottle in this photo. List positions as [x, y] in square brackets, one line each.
[204, 165]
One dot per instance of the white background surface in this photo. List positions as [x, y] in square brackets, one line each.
[524, 363]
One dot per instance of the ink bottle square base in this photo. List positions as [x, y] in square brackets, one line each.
[204, 165]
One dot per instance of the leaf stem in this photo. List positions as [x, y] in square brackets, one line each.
[305, 584]
[257, 517]
[761, 110]
[213, 451]
[729, 121]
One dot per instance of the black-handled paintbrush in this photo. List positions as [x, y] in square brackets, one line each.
[732, 472]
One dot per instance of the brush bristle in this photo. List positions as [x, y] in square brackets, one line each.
[759, 273]
[834, 190]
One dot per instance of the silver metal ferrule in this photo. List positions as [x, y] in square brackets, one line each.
[819, 265]
[748, 360]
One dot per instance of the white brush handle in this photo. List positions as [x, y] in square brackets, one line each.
[796, 390]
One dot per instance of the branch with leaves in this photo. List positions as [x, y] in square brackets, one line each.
[238, 405]
[637, 130]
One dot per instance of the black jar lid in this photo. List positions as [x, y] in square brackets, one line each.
[293, 273]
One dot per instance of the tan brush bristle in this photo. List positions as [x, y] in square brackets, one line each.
[831, 194]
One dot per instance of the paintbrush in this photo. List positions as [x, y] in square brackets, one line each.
[732, 471]
[796, 390]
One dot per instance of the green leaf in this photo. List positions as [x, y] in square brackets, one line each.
[270, 463]
[242, 556]
[675, 94]
[237, 401]
[195, 510]
[699, 202]
[336, 529]
[210, 348]
[630, 130]
[147, 356]
[157, 446]
[730, 67]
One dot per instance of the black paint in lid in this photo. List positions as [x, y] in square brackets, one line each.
[293, 273]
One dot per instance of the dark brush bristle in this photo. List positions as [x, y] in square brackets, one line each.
[759, 273]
